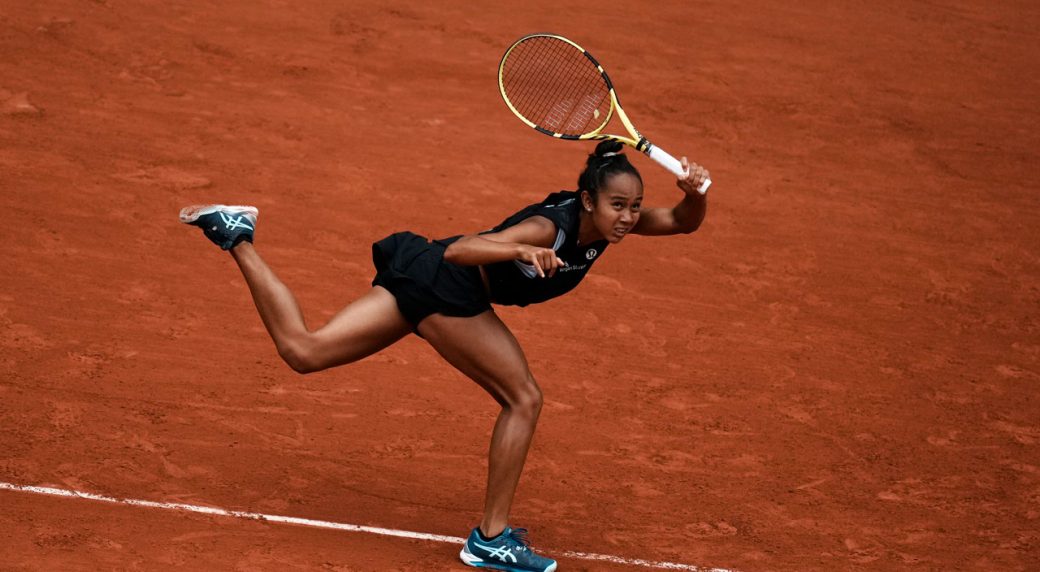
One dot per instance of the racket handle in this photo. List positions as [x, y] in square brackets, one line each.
[673, 165]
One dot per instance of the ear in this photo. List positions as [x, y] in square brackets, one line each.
[586, 201]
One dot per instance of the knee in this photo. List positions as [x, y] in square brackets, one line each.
[299, 355]
[527, 401]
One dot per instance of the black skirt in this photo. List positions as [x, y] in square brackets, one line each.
[413, 269]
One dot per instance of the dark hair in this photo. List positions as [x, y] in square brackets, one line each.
[600, 168]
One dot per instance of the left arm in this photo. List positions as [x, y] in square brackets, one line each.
[684, 217]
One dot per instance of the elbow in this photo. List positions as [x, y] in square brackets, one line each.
[690, 228]
[451, 254]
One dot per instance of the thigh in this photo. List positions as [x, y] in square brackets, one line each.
[483, 348]
[364, 327]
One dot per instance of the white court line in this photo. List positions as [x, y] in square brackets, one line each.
[338, 526]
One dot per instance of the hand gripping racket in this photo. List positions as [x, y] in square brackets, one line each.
[558, 88]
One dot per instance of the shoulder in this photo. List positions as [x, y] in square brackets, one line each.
[561, 208]
[560, 199]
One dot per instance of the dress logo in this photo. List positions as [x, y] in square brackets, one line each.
[590, 253]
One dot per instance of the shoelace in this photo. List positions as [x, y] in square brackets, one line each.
[519, 535]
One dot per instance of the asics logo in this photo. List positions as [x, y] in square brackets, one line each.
[235, 222]
[502, 552]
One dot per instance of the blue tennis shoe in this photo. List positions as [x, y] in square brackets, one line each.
[508, 551]
[225, 225]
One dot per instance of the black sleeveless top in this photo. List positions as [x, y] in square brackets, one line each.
[515, 283]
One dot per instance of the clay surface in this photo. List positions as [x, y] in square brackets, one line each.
[839, 371]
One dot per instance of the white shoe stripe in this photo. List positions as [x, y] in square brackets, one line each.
[502, 552]
[233, 223]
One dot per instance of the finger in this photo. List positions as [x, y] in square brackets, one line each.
[685, 167]
[556, 263]
[703, 181]
[538, 267]
[549, 262]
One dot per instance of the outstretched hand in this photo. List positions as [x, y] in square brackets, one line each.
[544, 260]
[693, 178]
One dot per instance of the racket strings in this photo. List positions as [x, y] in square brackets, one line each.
[554, 85]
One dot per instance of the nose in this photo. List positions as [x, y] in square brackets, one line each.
[626, 216]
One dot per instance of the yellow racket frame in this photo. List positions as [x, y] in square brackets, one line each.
[636, 140]
[595, 134]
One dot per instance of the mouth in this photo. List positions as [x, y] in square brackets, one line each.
[620, 232]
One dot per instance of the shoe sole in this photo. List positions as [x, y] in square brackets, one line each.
[475, 561]
[191, 214]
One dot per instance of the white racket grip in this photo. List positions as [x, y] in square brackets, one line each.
[673, 165]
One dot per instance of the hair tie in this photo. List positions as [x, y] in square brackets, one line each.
[610, 154]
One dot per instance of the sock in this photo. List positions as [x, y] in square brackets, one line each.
[480, 533]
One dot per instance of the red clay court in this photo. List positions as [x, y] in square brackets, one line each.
[839, 371]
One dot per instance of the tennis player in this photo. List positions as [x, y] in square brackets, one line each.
[443, 290]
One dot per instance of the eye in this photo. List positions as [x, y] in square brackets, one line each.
[618, 205]
[637, 206]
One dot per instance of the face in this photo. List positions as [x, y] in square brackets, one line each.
[616, 209]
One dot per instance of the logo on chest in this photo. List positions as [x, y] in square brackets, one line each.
[591, 253]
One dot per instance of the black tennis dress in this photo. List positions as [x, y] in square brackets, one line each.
[413, 268]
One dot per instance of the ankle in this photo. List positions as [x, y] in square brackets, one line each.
[241, 245]
[484, 531]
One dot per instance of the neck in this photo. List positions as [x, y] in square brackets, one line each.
[586, 230]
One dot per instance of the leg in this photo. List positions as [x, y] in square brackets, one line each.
[364, 327]
[483, 348]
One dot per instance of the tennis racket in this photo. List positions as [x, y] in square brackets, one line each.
[555, 86]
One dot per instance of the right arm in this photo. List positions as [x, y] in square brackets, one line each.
[529, 241]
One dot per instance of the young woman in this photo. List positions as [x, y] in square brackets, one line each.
[443, 290]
